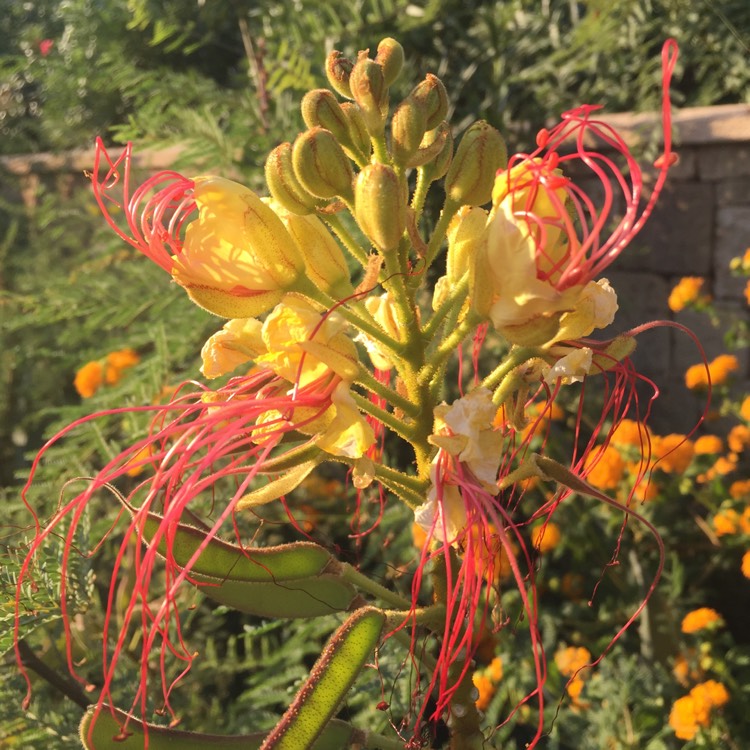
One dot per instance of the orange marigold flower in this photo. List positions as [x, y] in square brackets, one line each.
[88, 379]
[694, 710]
[738, 438]
[546, 537]
[674, 453]
[745, 409]
[646, 490]
[747, 292]
[745, 567]
[604, 469]
[574, 689]
[486, 690]
[686, 292]
[696, 377]
[699, 619]
[495, 669]
[708, 444]
[572, 659]
[739, 489]
[682, 718]
[630, 432]
[710, 694]
[685, 669]
[117, 362]
[726, 522]
[745, 520]
[721, 367]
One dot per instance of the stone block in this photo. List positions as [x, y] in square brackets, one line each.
[733, 192]
[717, 162]
[677, 237]
[732, 239]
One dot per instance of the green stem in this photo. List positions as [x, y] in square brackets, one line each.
[516, 356]
[354, 248]
[388, 419]
[373, 741]
[407, 481]
[453, 302]
[420, 192]
[380, 149]
[369, 381]
[449, 345]
[353, 576]
[441, 229]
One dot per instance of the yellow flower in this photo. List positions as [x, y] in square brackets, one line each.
[699, 619]
[674, 453]
[738, 438]
[708, 444]
[237, 259]
[546, 537]
[745, 567]
[238, 342]
[605, 468]
[88, 379]
[349, 434]
[685, 293]
[572, 659]
[382, 310]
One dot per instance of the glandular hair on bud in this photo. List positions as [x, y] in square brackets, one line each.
[338, 70]
[357, 127]
[407, 131]
[471, 176]
[321, 109]
[380, 205]
[369, 90]
[390, 56]
[321, 165]
[434, 99]
[283, 183]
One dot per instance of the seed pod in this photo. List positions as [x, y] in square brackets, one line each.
[390, 56]
[472, 174]
[380, 205]
[338, 70]
[321, 164]
[433, 97]
[370, 91]
[407, 130]
[283, 183]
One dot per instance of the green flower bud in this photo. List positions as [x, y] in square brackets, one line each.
[320, 108]
[391, 57]
[369, 90]
[472, 174]
[433, 97]
[432, 145]
[283, 183]
[407, 131]
[357, 127]
[321, 164]
[380, 205]
[338, 70]
[438, 167]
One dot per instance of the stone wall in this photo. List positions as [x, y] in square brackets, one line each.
[701, 222]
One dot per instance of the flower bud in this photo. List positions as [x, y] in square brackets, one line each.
[370, 91]
[325, 263]
[390, 57]
[380, 205]
[465, 234]
[436, 143]
[321, 109]
[283, 183]
[433, 98]
[438, 167]
[407, 131]
[321, 164]
[472, 174]
[357, 128]
[338, 70]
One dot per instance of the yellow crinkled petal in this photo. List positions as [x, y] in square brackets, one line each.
[349, 434]
[238, 342]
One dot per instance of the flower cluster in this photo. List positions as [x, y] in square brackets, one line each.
[96, 373]
[335, 349]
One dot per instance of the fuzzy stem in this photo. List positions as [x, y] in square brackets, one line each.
[356, 578]
[393, 398]
[347, 240]
[388, 419]
[441, 229]
[515, 357]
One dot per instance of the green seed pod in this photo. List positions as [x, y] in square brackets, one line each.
[472, 174]
[338, 70]
[321, 164]
[380, 205]
[283, 183]
[407, 130]
[431, 94]
[390, 56]
[369, 90]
